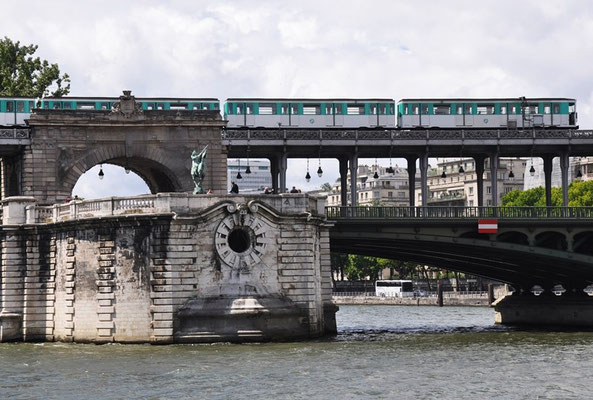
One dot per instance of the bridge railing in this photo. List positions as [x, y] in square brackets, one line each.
[381, 212]
[266, 134]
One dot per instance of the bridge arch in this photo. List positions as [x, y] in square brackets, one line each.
[551, 240]
[149, 164]
[583, 243]
[513, 237]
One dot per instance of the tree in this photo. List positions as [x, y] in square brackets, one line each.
[339, 262]
[23, 75]
[580, 194]
[362, 267]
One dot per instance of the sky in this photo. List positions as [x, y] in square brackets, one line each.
[269, 48]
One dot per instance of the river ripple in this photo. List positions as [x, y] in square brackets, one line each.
[381, 352]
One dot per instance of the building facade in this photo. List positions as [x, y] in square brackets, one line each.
[381, 189]
[454, 181]
[258, 178]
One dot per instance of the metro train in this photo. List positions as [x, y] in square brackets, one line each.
[505, 113]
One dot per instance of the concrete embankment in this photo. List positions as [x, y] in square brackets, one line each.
[411, 301]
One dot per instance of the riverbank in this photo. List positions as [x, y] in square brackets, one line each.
[448, 300]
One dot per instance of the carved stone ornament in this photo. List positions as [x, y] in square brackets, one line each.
[241, 237]
[127, 105]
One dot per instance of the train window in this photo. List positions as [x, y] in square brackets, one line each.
[556, 108]
[571, 107]
[294, 109]
[31, 105]
[56, 105]
[160, 106]
[424, 109]
[406, 109]
[20, 106]
[485, 109]
[530, 109]
[178, 106]
[267, 109]
[46, 105]
[283, 109]
[9, 106]
[249, 109]
[415, 109]
[547, 109]
[355, 109]
[312, 109]
[442, 109]
[150, 106]
[104, 106]
[373, 110]
[513, 109]
[459, 110]
[85, 105]
[67, 105]
[503, 109]
[339, 109]
[468, 109]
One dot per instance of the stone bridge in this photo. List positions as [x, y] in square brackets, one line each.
[165, 268]
[155, 144]
[543, 246]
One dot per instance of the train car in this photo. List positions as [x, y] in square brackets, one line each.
[309, 113]
[508, 113]
[14, 110]
[148, 103]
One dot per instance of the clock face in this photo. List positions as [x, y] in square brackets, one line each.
[241, 240]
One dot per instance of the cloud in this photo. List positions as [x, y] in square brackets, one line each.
[391, 49]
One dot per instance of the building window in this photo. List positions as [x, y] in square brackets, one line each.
[390, 194]
[471, 190]
[488, 189]
[471, 203]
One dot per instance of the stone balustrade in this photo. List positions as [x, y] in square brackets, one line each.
[21, 210]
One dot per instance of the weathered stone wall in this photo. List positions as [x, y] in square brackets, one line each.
[155, 144]
[171, 277]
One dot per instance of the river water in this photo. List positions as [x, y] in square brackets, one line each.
[381, 352]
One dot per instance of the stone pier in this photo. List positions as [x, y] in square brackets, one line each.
[166, 268]
[547, 309]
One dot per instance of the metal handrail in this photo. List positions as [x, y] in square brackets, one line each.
[393, 212]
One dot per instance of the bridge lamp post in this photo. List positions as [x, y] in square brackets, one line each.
[531, 170]
[308, 175]
[376, 175]
[239, 170]
[101, 173]
[511, 174]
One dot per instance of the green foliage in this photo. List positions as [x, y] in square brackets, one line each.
[580, 194]
[339, 262]
[23, 75]
[362, 267]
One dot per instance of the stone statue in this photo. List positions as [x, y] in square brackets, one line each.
[198, 169]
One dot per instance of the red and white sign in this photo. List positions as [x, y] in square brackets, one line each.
[487, 226]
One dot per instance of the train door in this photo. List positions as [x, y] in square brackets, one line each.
[338, 114]
[425, 111]
[572, 114]
[414, 117]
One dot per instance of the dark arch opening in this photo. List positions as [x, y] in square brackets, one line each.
[513, 237]
[551, 240]
[583, 243]
[239, 240]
